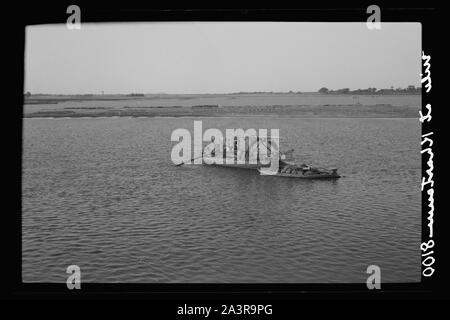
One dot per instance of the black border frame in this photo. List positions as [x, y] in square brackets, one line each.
[56, 13]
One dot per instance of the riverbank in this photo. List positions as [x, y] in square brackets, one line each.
[375, 111]
[239, 105]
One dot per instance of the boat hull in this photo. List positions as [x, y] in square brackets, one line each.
[238, 166]
[232, 164]
[307, 175]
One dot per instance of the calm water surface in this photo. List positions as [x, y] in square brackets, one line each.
[103, 194]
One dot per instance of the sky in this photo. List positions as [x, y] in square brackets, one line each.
[220, 57]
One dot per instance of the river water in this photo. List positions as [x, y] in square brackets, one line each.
[102, 193]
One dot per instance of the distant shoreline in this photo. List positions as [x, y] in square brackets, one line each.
[57, 98]
[229, 105]
[328, 111]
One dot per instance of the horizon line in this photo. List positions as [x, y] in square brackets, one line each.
[216, 93]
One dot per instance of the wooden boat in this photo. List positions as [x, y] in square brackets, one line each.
[252, 166]
[287, 167]
[230, 160]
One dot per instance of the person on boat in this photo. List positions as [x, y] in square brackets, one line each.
[247, 149]
[282, 166]
[213, 151]
[213, 146]
[235, 147]
[257, 149]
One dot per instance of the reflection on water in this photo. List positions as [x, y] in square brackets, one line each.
[103, 194]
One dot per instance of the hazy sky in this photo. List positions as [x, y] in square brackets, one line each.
[220, 57]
